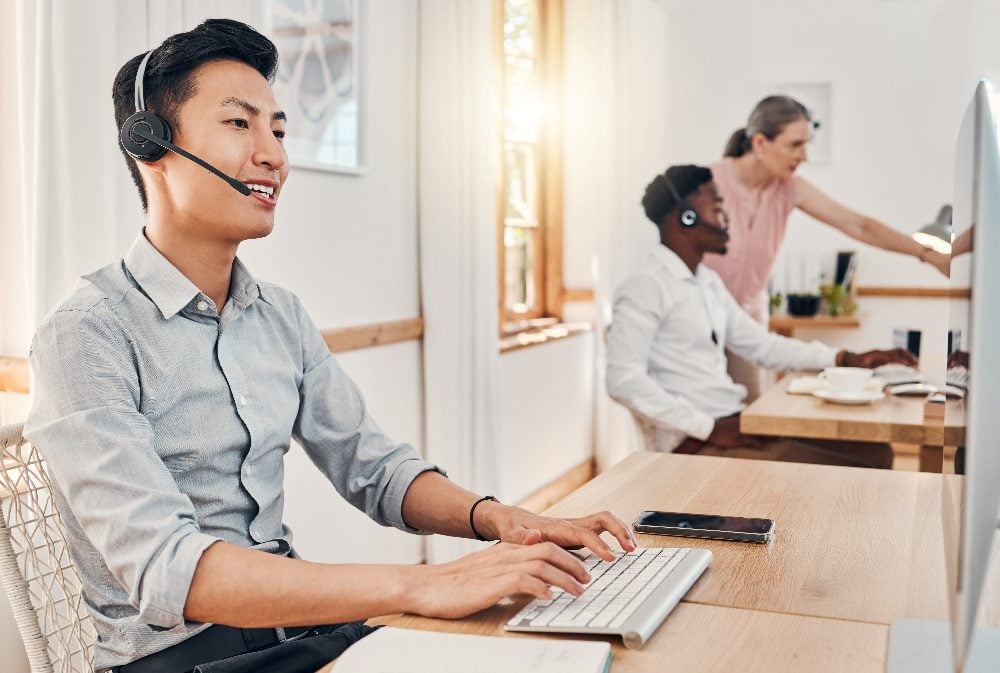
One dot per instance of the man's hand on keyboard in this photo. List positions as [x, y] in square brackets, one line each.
[479, 580]
[872, 359]
[523, 527]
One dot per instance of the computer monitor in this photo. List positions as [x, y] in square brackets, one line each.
[976, 227]
[971, 499]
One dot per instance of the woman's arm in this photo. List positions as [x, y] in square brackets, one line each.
[863, 228]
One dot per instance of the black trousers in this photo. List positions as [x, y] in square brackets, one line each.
[305, 654]
[225, 650]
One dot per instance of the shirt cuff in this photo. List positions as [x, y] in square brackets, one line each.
[702, 425]
[399, 484]
[831, 359]
[167, 581]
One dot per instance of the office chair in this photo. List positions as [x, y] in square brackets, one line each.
[35, 567]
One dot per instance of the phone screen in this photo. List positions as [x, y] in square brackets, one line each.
[735, 524]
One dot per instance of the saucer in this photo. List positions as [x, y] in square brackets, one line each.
[860, 397]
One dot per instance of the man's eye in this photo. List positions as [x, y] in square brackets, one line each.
[239, 123]
[280, 135]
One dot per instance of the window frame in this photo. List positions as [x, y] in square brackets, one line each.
[547, 234]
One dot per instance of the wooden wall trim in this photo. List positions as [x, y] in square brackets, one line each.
[14, 377]
[581, 294]
[378, 334]
[915, 292]
[560, 487]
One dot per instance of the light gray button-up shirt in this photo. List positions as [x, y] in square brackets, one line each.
[165, 427]
[662, 362]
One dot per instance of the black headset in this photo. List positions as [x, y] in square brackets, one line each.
[142, 126]
[689, 216]
[146, 136]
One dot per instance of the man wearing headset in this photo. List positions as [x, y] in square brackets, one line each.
[170, 385]
[673, 321]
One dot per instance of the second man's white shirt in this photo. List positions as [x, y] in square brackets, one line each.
[662, 362]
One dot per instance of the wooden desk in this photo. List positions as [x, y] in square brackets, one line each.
[707, 639]
[893, 419]
[855, 549]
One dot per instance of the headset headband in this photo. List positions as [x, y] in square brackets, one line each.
[140, 75]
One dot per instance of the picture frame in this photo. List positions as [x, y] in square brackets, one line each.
[818, 99]
[318, 83]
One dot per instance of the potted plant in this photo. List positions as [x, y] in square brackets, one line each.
[838, 299]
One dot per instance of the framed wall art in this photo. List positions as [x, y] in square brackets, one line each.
[318, 81]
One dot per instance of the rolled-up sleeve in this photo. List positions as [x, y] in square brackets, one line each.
[86, 422]
[367, 468]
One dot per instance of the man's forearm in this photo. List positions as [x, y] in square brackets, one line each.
[242, 587]
[435, 504]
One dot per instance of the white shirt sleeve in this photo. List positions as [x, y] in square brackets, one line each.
[638, 310]
[749, 339]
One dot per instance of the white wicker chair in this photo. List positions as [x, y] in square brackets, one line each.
[35, 566]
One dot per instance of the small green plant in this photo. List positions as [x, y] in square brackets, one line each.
[838, 300]
[775, 302]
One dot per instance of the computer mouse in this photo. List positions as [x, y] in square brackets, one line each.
[911, 389]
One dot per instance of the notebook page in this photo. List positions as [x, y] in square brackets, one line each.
[391, 650]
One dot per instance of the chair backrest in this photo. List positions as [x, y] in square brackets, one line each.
[35, 567]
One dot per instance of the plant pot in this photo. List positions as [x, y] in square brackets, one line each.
[803, 304]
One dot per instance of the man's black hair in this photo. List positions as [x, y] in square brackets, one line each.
[170, 81]
[659, 199]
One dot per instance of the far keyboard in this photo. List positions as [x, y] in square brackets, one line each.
[629, 597]
[894, 374]
[958, 377]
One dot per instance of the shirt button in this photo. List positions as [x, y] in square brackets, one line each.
[243, 400]
[203, 306]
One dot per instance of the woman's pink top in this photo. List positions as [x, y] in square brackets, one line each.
[753, 244]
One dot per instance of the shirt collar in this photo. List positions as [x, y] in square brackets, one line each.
[243, 287]
[669, 260]
[170, 289]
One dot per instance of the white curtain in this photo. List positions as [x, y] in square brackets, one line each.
[60, 171]
[458, 256]
[617, 112]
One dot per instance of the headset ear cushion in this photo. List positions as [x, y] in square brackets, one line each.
[689, 217]
[147, 123]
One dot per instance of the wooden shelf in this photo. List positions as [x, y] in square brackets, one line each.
[785, 324]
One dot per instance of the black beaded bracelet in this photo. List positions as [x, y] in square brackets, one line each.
[472, 513]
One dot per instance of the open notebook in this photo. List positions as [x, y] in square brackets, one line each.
[412, 651]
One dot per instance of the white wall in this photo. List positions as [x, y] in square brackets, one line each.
[546, 412]
[902, 74]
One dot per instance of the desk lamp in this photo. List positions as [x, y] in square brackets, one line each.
[937, 234]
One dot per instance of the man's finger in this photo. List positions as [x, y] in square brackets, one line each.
[606, 521]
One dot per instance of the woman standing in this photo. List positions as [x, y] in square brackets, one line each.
[759, 187]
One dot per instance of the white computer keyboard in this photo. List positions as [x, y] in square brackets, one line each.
[894, 374]
[629, 597]
[958, 377]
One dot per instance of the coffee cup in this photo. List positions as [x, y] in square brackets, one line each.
[846, 380]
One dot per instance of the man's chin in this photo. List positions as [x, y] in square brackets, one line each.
[262, 230]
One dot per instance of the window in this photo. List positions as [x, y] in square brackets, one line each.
[529, 62]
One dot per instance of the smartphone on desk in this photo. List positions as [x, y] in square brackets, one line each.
[704, 525]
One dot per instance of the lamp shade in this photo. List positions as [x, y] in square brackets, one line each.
[937, 234]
